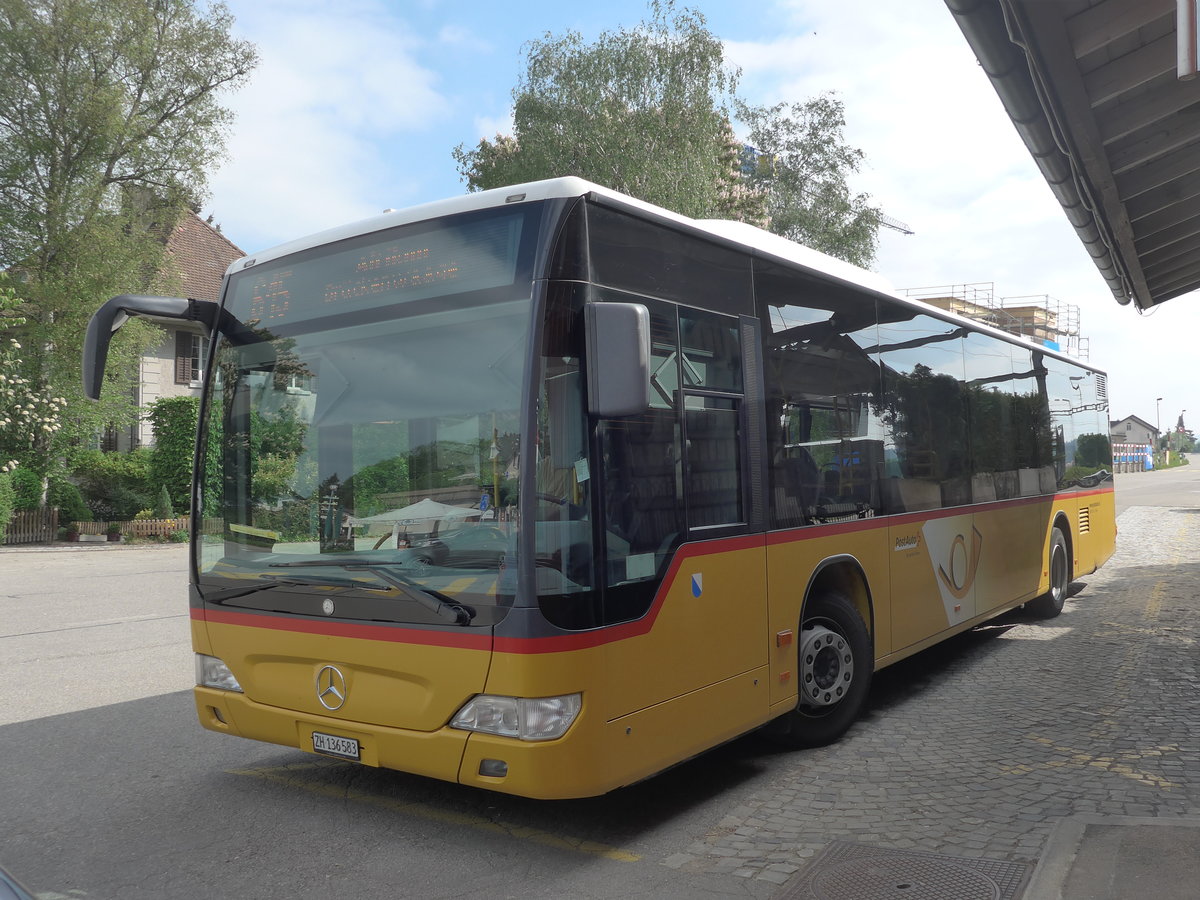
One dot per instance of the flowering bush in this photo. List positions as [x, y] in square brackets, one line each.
[25, 414]
[28, 415]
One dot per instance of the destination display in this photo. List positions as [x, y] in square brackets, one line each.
[396, 268]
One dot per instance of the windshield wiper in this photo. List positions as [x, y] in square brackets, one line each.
[441, 604]
[271, 580]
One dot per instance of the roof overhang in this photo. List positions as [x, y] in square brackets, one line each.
[1093, 88]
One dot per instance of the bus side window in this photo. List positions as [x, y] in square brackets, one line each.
[711, 351]
[924, 404]
[713, 483]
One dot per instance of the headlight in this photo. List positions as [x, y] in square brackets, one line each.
[529, 719]
[211, 672]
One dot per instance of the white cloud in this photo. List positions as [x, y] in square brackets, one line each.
[490, 126]
[335, 89]
[458, 36]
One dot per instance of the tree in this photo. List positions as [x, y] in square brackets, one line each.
[109, 120]
[801, 163]
[645, 111]
[650, 112]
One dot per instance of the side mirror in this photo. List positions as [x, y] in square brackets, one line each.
[618, 358]
[116, 312]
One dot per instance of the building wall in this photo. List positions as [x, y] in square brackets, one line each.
[1130, 431]
[157, 374]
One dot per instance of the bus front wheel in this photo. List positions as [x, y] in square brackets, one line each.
[834, 664]
[1050, 604]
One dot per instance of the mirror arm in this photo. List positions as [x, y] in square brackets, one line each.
[116, 312]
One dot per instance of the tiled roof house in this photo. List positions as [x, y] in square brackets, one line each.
[1132, 430]
[196, 259]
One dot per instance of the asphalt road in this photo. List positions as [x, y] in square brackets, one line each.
[1178, 487]
[110, 789]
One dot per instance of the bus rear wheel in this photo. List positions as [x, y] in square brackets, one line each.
[834, 664]
[1050, 604]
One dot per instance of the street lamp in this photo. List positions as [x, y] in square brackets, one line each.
[1157, 418]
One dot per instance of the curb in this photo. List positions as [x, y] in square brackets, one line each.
[1078, 865]
[89, 547]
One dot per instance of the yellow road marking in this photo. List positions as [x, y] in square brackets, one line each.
[1119, 765]
[287, 775]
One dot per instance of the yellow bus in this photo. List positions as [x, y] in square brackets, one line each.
[544, 490]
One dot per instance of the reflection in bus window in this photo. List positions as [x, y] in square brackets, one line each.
[924, 405]
[825, 438]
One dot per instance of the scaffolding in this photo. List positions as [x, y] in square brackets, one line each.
[1039, 318]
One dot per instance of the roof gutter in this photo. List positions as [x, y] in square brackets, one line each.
[992, 29]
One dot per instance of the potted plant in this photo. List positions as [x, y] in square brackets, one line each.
[114, 532]
[72, 532]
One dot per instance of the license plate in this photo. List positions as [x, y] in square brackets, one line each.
[330, 744]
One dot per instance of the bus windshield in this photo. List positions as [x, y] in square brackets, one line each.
[360, 441]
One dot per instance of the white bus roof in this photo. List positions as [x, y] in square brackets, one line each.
[736, 232]
[742, 234]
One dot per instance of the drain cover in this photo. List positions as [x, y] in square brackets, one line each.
[847, 871]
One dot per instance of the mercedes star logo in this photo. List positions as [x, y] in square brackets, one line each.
[331, 687]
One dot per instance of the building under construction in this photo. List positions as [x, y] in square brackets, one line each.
[1039, 318]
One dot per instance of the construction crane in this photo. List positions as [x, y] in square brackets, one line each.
[895, 224]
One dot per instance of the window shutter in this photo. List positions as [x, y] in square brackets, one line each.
[183, 357]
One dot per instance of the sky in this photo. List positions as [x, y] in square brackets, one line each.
[356, 108]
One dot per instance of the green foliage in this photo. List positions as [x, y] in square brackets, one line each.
[802, 166]
[114, 485]
[69, 500]
[99, 96]
[280, 434]
[178, 537]
[7, 503]
[27, 488]
[645, 111]
[991, 430]
[930, 412]
[388, 476]
[649, 111]
[109, 118]
[1093, 451]
[272, 476]
[1179, 441]
[118, 503]
[174, 421]
[164, 509]
[294, 520]
[29, 416]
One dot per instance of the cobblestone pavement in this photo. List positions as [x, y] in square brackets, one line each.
[979, 747]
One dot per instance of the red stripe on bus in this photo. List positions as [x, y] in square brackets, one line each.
[398, 634]
[517, 645]
[625, 630]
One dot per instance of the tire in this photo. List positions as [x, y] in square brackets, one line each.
[834, 664]
[1050, 604]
